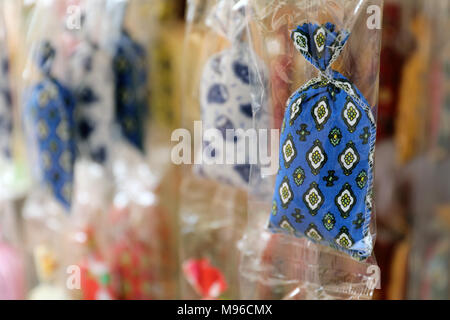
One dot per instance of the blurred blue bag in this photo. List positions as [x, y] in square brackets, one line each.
[51, 106]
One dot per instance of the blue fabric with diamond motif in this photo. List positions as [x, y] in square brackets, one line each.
[324, 185]
[131, 89]
[50, 107]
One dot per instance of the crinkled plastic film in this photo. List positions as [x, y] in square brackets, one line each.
[114, 207]
[12, 279]
[212, 210]
[281, 266]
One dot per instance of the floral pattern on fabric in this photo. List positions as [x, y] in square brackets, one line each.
[326, 154]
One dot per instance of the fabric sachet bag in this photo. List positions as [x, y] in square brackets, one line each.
[93, 88]
[225, 99]
[226, 105]
[50, 109]
[323, 188]
[130, 75]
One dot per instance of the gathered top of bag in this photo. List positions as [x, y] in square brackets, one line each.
[45, 55]
[320, 44]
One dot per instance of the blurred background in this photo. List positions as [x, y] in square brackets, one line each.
[127, 235]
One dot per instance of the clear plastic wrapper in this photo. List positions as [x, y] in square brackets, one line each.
[12, 271]
[141, 234]
[49, 139]
[44, 227]
[213, 191]
[85, 109]
[330, 50]
[119, 235]
[13, 176]
[129, 235]
[82, 87]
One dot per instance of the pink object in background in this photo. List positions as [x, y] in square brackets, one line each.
[11, 274]
[207, 280]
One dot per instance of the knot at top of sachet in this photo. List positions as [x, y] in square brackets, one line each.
[319, 44]
[45, 55]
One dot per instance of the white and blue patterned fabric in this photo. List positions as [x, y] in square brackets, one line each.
[91, 81]
[324, 186]
[226, 105]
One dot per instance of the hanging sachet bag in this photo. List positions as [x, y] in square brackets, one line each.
[94, 91]
[50, 107]
[130, 70]
[323, 188]
[225, 99]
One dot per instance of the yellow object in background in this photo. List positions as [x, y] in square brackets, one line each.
[412, 115]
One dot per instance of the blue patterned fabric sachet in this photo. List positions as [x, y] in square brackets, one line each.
[323, 188]
[131, 77]
[50, 107]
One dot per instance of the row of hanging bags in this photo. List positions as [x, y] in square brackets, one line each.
[87, 119]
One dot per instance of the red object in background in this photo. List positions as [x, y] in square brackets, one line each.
[96, 281]
[96, 278]
[207, 280]
[132, 266]
[392, 61]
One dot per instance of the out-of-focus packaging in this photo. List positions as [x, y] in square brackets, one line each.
[428, 174]
[140, 234]
[12, 271]
[217, 110]
[14, 179]
[167, 42]
[94, 210]
[47, 113]
[302, 260]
